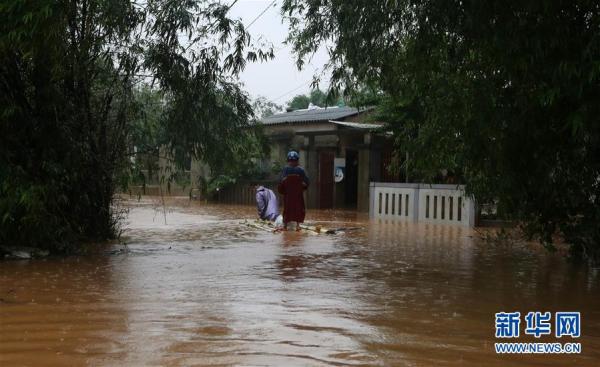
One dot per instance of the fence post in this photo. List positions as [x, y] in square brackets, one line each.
[371, 200]
[415, 212]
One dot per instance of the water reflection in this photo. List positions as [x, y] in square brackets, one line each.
[203, 289]
[59, 312]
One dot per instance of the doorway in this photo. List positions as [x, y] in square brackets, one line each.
[351, 178]
[326, 181]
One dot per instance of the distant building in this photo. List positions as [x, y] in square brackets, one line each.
[340, 151]
[335, 144]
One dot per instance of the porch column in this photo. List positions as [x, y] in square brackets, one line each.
[309, 159]
[364, 170]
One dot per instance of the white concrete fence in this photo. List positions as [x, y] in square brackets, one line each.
[444, 204]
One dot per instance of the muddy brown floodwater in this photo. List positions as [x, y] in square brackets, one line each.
[203, 289]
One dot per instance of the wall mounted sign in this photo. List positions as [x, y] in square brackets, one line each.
[339, 166]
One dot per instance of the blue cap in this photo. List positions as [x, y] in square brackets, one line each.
[293, 156]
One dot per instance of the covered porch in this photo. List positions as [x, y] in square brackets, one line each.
[342, 162]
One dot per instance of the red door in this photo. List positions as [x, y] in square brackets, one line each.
[326, 179]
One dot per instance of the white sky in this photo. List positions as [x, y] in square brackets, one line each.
[279, 79]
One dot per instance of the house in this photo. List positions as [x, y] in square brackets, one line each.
[339, 150]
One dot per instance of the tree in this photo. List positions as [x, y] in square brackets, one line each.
[264, 108]
[502, 92]
[68, 78]
[317, 97]
[299, 102]
[365, 96]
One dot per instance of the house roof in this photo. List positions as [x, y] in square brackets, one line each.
[311, 115]
[358, 125]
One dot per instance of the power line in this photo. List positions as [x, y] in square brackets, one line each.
[291, 91]
[299, 86]
[261, 14]
[250, 24]
[232, 4]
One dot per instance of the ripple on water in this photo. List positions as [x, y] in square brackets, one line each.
[202, 289]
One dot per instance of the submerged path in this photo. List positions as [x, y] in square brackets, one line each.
[203, 289]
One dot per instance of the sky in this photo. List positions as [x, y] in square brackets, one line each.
[279, 80]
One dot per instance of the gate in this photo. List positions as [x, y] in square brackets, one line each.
[444, 204]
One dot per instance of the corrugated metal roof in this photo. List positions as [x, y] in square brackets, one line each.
[357, 125]
[317, 114]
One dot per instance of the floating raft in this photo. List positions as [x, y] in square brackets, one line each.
[268, 226]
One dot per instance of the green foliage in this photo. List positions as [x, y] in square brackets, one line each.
[299, 102]
[504, 93]
[146, 137]
[317, 97]
[246, 168]
[218, 183]
[247, 154]
[65, 105]
[84, 82]
[367, 97]
[264, 108]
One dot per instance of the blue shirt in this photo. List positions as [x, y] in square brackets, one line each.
[289, 170]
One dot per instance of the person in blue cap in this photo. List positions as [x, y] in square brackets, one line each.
[292, 183]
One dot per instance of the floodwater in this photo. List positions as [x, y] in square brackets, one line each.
[204, 289]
